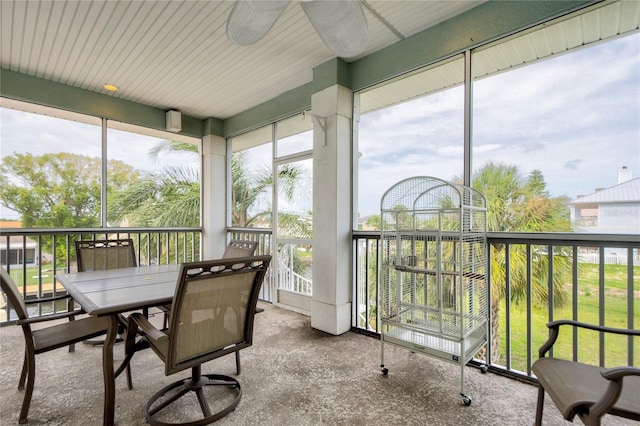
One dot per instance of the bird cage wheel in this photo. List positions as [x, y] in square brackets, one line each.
[466, 400]
[384, 370]
[484, 368]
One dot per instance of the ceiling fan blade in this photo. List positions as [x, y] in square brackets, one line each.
[250, 20]
[341, 24]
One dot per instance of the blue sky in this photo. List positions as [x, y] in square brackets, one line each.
[574, 117]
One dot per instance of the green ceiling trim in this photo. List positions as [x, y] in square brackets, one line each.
[39, 91]
[212, 126]
[330, 73]
[282, 106]
[480, 25]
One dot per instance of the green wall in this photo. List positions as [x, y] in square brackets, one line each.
[485, 23]
[27, 88]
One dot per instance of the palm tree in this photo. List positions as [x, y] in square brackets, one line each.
[517, 205]
[171, 197]
[248, 189]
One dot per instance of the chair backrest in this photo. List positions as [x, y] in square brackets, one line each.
[99, 255]
[14, 297]
[213, 310]
[239, 248]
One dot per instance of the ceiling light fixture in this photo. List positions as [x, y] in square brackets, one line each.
[111, 87]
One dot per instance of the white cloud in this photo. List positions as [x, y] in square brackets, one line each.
[574, 117]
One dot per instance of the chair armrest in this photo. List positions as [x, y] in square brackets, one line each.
[554, 331]
[44, 318]
[146, 327]
[610, 397]
[46, 299]
[617, 373]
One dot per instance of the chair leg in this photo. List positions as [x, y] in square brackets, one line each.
[195, 383]
[165, 321]
[72, 347]
[26, 402]
[129, 380]
[540, 405]
[238, 362]
[129, 351]
[23, 373]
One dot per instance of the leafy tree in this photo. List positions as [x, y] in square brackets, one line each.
[373, 222]
[58, 190]
[170, 198]
[515, 204]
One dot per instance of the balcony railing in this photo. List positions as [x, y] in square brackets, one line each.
[536, 278]
[34, 257]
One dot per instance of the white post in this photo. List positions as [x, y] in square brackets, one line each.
[214, 200]
[331, 302]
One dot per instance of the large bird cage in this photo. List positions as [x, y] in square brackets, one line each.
[433, 271]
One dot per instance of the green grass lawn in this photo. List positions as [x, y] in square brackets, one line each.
[615, 305]
[33, 277]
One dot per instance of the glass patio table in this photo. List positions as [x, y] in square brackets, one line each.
[112, 292]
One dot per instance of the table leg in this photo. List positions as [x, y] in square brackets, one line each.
[107, 367]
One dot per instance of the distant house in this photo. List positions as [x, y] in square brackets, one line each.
[613, 210]
[15, 250]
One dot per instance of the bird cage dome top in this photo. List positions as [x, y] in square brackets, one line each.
[422, 192]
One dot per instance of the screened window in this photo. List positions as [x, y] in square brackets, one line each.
[412, 126]
[50, 167]
[252, 178]
[559, 130]
[153, 178]
[554, 127]
[51, 173]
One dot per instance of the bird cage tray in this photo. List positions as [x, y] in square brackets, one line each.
[449, 348]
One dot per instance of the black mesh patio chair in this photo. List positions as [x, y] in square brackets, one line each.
[42, 340]
[584, 390]
[212, 316]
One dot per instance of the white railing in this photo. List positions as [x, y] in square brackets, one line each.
[292, 281]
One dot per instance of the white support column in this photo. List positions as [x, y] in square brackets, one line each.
[214, 200]
[331, 302]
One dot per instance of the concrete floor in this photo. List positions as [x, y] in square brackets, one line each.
[292, 375]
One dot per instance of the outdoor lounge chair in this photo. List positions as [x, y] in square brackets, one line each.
[212, 316]
[585, 390]
[45, 339]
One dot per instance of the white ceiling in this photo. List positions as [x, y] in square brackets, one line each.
[175, 54]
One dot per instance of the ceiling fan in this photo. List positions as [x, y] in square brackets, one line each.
[341, 24]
